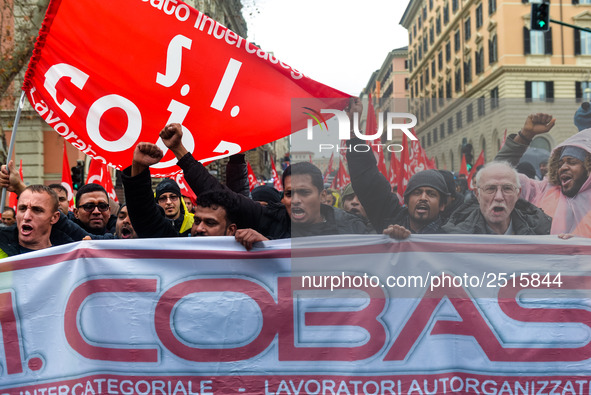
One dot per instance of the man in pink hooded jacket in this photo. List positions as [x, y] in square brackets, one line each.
[565, 194]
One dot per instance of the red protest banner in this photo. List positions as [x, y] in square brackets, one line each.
[105, 79]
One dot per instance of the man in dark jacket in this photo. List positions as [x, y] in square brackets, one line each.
[425, 195]
[498, 209]
[301, 213]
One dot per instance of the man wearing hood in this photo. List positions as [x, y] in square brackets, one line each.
[565, 194]
[168, 196]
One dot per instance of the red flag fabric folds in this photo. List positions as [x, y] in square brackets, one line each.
[107, 75]
[252, 179]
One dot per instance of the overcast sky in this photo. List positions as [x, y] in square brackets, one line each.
[337, 42]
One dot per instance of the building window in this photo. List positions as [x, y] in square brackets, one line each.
[537, 42]
[582, 42]
[448, 51]
[468, 71]
[539, 91]
[583, 90]
[406, 83]
[438, 25]
[459, 119]
[414, 30]
[479, 61]
[492, 6]
[581, 1]
[446, 14]
[420, 53]
[440, 60]
[467, 31]
[405, 64]
[435, 137]
[448, 88]
[419, 23]
[479, 16]
[425, 13]
[426, 75]
[442, 131]
[431, 35]
[430, 5]
[433, 71]
[494, 97]
[450, 125]
[421, 82]
[469, 113]
[458, 79]
[429, 139]
[410, 37]
[425, 45]
[481, 106]
[457, 40]
[454, 6]
[492, 50]
[440, 94]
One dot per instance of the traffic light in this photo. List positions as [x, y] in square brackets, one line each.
[77, 175]
[540, 16]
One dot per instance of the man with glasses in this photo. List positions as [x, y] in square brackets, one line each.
[92, 209]
[498, 208]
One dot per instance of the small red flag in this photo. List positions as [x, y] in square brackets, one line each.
[67, 179]
[479, 162]
[276, 181]
[252, 179]
[98, 173]
[463, 167]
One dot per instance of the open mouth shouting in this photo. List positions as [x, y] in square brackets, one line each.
[26, 230]
[566, 181]
[297, 213]
[126, 233]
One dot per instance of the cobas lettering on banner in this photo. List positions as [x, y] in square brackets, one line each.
[134, 80]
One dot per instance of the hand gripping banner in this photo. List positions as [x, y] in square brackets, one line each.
[107, 75]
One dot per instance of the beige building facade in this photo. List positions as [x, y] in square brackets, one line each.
[477, 69]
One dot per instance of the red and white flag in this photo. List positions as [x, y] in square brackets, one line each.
[105, 79]
[67, 179]
[179, 178]
[342, 177]
[276, 180]
[98, 173]
[252, 179]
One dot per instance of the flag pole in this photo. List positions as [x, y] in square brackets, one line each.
[17, 119]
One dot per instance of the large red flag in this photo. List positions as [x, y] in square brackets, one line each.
[98, 173]
[107, 75]
[67, 179]
[473, 170]
[463, 166]
[276, 180]
[12, 197]
[252, 179]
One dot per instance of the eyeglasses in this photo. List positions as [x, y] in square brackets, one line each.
[506, 189]
[89, 207]
[163, 199]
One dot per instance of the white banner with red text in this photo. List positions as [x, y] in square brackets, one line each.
[327, 315]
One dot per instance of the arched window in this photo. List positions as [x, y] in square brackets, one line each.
[541, 142]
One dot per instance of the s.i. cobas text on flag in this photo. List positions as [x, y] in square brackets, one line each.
[107, 75]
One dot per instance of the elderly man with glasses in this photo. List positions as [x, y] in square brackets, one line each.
[498, 208]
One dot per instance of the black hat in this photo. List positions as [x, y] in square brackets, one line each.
[168, 185]
[266, 193]
[426, 178]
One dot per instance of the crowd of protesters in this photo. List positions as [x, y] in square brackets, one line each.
[505, 199]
